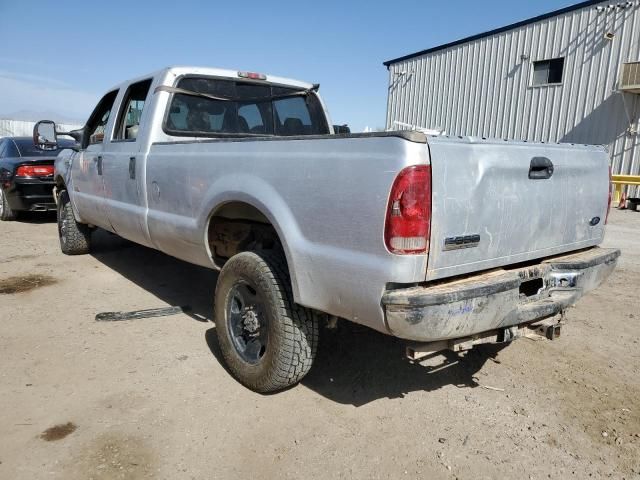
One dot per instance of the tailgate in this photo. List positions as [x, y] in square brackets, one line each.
[488, 212]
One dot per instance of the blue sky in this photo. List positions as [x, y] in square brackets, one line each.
[60, 57]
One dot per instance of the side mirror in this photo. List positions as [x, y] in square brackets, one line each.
[45, 136]
[341, 129]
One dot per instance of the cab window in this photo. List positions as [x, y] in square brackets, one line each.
[131, 111]
[292, 117]
[94, 130]
[246, 109]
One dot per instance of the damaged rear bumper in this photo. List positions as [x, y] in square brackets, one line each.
[496, 299]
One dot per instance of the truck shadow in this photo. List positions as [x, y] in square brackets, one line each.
[354, 365]
[172, 281]
[357, 365]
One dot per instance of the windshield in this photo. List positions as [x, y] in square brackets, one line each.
[28, 149]
[253, 109]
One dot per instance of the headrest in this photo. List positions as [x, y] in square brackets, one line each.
[293, 124]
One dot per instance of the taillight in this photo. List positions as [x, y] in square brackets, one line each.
[408, 222]
[34, 171]
[606, 218]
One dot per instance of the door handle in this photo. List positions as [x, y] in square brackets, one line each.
[540, 168]
[99, 165]
[132, 168]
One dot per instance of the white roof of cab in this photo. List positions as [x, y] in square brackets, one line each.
[171, 73]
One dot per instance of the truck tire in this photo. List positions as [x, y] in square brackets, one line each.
[75, 238]
[268, 342]
[6, 214]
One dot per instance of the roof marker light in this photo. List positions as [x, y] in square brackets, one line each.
[252, 75]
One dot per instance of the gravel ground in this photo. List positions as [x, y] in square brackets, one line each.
[149, 398]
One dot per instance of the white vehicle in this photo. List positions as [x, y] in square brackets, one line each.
[444, 242]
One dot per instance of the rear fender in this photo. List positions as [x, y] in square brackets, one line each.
[264, 198]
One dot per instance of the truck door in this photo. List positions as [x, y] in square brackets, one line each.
[86, 170]
[123, 167]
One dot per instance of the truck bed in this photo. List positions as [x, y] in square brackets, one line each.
[327, 197]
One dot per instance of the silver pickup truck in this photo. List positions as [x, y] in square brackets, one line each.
[445, 242]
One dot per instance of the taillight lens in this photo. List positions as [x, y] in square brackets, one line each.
[34, 171]
[252, 75]
[606, 218]
[408, 222]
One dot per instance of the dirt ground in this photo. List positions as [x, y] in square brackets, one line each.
[149, 398]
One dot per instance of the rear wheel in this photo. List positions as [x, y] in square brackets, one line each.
[75, 238]
[6, 214]
[268, 342]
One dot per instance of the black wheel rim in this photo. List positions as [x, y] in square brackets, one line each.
[246, 322]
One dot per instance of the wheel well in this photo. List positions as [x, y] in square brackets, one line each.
[60, 186]
[237, 227]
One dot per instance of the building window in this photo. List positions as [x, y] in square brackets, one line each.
[548, 72]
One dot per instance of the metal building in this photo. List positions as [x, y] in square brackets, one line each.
[572, 75]
[23, 128]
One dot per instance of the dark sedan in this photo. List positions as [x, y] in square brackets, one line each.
[26, 176]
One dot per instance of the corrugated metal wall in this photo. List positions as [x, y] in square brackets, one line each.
[483, 88]
[21, 128]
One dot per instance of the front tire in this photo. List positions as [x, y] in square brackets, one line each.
[75, 238]
[6, 213]
[268, 342]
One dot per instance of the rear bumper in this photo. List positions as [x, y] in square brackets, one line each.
[496, 299]
[31, 195]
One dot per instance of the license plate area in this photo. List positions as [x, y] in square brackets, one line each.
[531, 288]
[533, 285]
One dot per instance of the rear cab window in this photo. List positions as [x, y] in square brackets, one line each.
[293, 117]
[242, 109]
